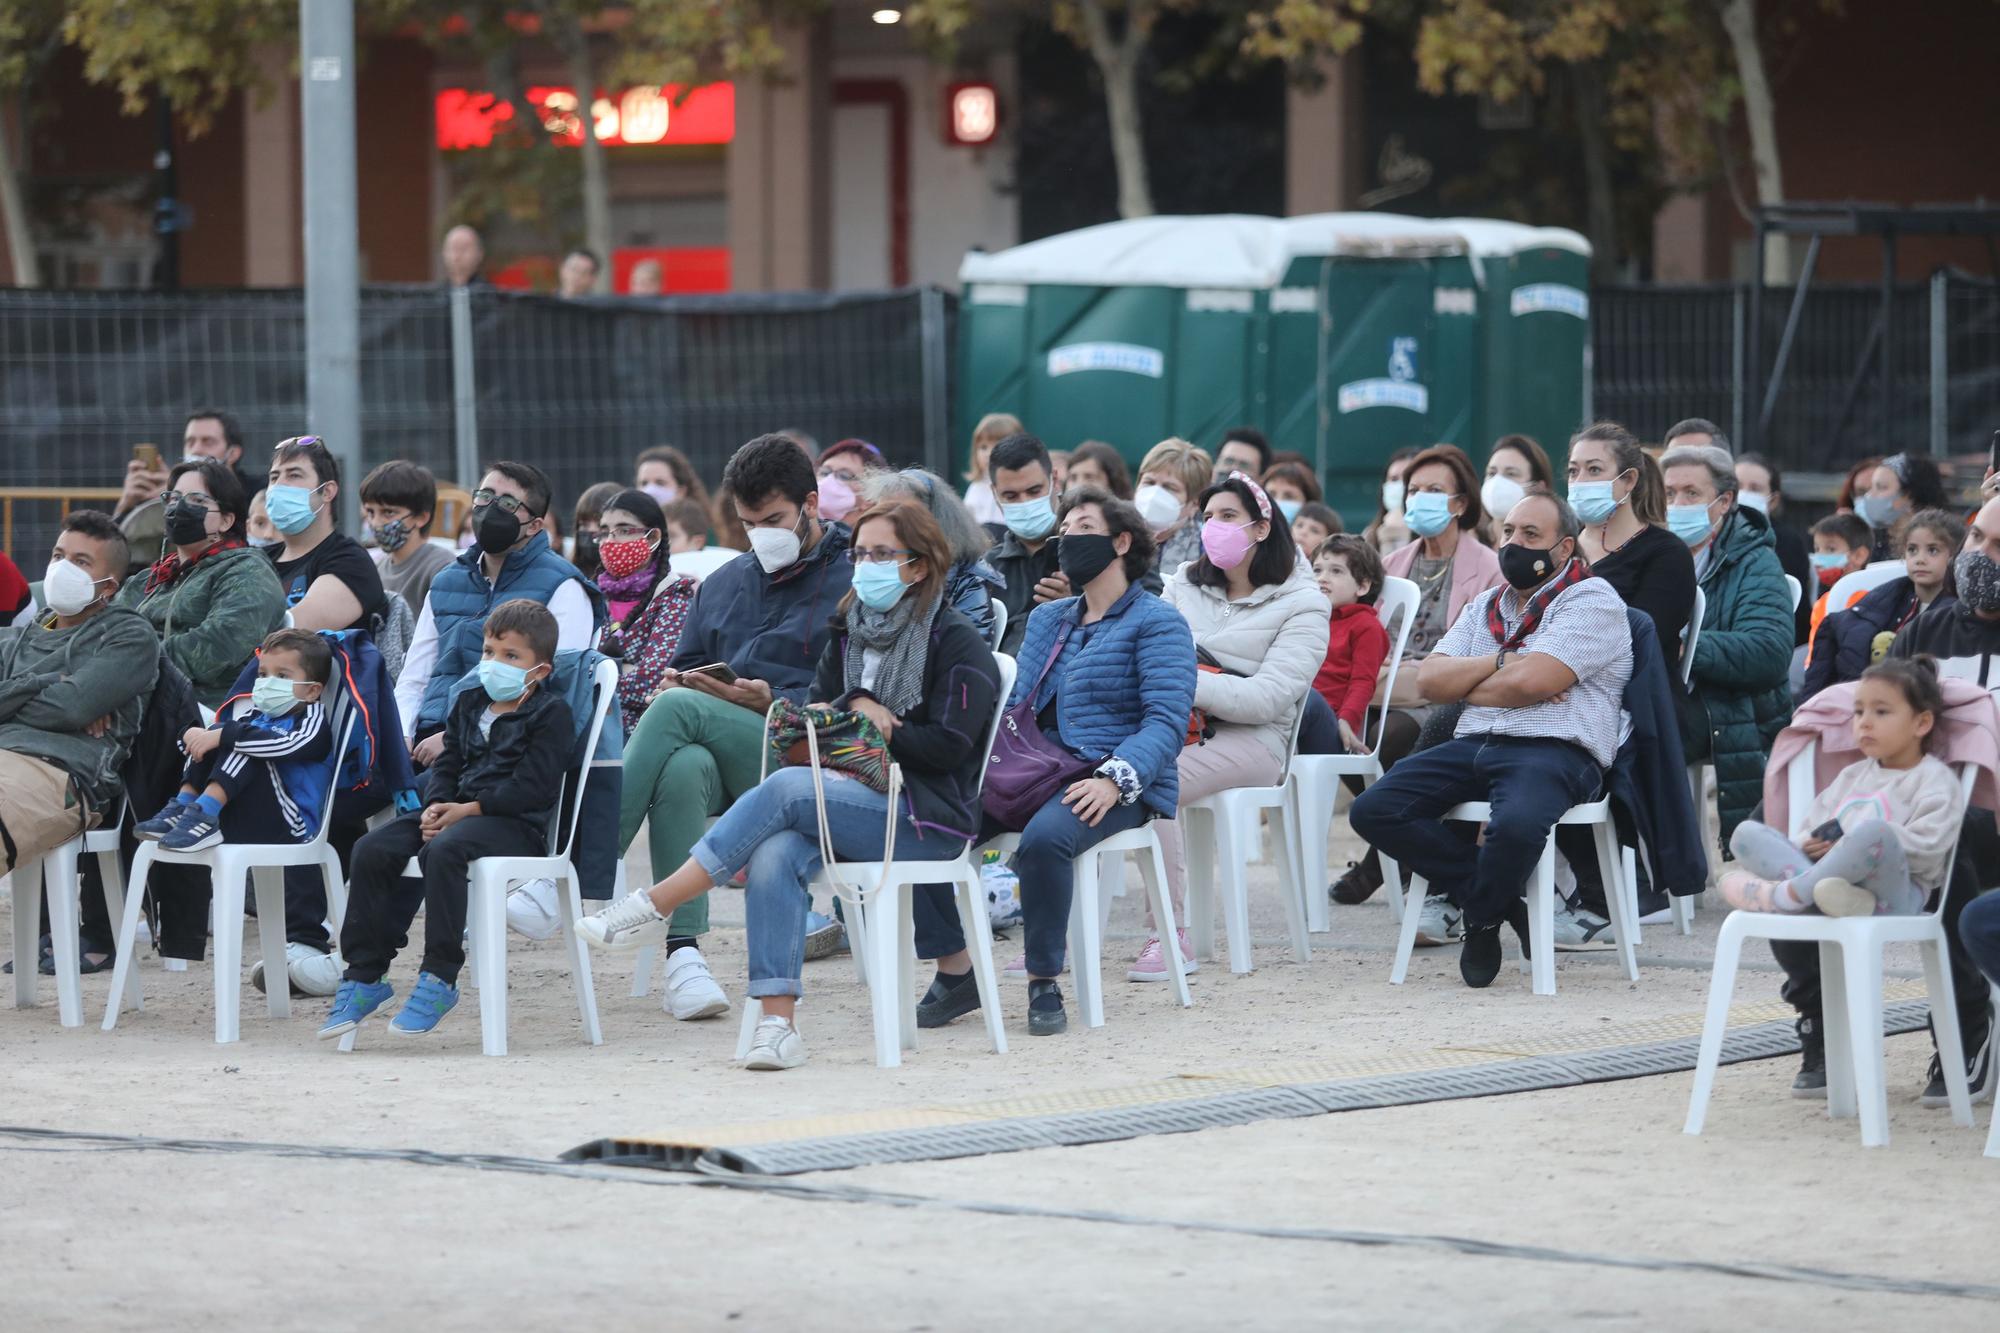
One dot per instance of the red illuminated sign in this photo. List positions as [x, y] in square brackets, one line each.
[645, 115]
[971, 114]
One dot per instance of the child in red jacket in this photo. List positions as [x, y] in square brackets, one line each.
[1349, 571]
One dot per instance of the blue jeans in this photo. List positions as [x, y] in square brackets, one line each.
[1529, 784]
[774, 830]
[1979, 932]
[1045, 862]
[1319, 727]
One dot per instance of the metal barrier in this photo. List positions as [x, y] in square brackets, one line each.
[60, 496]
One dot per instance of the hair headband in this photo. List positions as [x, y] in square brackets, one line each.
[1263, 500]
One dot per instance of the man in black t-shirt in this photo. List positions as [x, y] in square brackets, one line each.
[329, 580]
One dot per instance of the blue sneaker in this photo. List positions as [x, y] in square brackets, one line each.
[160, 825]
[193, 831]
[354, 1001]
[426, 1007]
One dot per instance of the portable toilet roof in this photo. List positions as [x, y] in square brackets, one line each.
[1238, 250]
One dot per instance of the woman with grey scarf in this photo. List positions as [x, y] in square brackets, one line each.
[922, 674]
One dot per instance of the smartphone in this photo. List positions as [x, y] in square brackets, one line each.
[1993, 454]
[149, 454]
[1828, 832]
[715, 671]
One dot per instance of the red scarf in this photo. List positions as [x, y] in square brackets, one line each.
[170, 566]
[1571, 574]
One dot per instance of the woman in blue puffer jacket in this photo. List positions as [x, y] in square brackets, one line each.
[1111, 673]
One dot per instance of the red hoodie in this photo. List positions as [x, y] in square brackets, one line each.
[1356, 644]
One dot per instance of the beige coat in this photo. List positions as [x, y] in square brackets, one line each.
[1274, 640]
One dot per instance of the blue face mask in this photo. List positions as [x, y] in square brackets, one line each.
[1689, 523]
[1290, 508]
[504, 681]
[1756, 500]
[1593, 501]
[1878, 510]
[273, 695]
[1030, 520]
[291, 508]
[1828, 559]
[879, 586]
[1428, 513]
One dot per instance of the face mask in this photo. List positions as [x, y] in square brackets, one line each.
[67, 588]
[664, 494]
[1392, 495]
[392, 536]
[266, 543]
[836, 498]
[1157, 505]
[1290, 508]
[1500, 494]
[1592, 501]
[1878, 510]
[1978, 580]
[1225, 544]
[1828, 559]
[1429, 513]
[186, 525]
[585, 552]
[1030, 520]
[1083, 557]
[496, 529]
[1756, 500]
[291, 508]
[621, 559]
[273, 695]
[1689, 523]
[776, 548]
[504, 682]
[1524, 567]
[879, 586]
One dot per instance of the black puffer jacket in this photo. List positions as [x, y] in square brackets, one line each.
[517, 768]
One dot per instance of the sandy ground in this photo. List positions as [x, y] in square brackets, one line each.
[157, 1240]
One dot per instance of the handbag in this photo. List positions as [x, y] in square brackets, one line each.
[846, 741]
[1026, 768]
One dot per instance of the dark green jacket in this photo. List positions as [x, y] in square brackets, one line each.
[1741, 696]
[55, 682]
[212, 618]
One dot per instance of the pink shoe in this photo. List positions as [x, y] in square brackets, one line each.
[1745, 892]
[1151, 964]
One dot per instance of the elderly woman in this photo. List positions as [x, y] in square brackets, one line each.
[1171, 475]
[1740, 697]
[842, 469]
[213, 597]
[970, 585]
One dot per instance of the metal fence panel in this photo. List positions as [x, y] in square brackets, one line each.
[1971, 362]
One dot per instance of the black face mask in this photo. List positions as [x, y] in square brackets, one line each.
[1083, 557]
[186, 525]
[586, 552]
[495, 529]
[1525, 568]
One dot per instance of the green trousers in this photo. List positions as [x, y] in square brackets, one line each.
[689, 758]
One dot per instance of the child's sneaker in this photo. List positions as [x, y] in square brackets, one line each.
[425, 1009]
[160, 825]
[1838, 897]
[193, 831]
[354, 1001]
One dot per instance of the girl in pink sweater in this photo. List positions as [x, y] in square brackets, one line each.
[1883, 830]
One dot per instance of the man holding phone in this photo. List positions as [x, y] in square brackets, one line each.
[208, 433]
[756, 631]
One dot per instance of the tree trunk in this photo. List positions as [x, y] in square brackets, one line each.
[1760, 115]
[596, 183]
[1118, 65]
[1600, 202]
[14, 218]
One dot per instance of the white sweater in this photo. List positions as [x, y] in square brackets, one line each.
[1275, 639]
[1923, 804]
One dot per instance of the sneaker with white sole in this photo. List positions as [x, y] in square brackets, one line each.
[631, 922]
[1438, 922]
[306, 971]
[691, 990]
[1982, 1072]
[1151, 964]
[1580, 931]
[531, 910]
[775, 1044]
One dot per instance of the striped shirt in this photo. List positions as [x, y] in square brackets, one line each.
[1584, 628]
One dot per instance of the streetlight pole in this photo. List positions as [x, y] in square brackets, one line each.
[333, 240]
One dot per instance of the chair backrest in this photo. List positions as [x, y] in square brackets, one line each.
[453, 504]
[999, 622]
[1009, 668]
[700, 564]
[1396, 607]
[604, 689]
[1692, 634]
[1798, 590]
[1850, 586]
[1801, 788]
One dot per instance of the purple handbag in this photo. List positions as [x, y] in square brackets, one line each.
[1026, 768]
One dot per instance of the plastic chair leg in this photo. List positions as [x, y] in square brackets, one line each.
[643, 964]
[1683, 908]
[124, 973]
[978, 928]
[1086, 943]
[1291, 883]
[28, 933]
[1944, 1021]
[228, 902]
[269, 882]
[1864, 1031]
[906, 959]
[1198, 843]
[855, 918]
[1620, 899]
[1406, 937]
[579, 961]
[882, 978]
[1542, 921]
[1993, 1134]
[1153, 872]
[1392, 889]
[336, 891]
[1835, 1015]
[1721, 990]
[1312, 812]
[1232, 875]
[1628, 870]
[58, 879]
[486, 922]
[753, 1013]
[112, 875]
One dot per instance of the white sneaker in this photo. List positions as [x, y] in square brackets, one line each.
[1439, 922]
[1580, 931]
[775, 1045]
[631, 922]
[531, 909]
[303, 955]
[691, 990]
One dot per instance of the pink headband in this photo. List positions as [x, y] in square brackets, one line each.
[1263, 500]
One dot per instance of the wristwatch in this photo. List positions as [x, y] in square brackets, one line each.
[1500, 659]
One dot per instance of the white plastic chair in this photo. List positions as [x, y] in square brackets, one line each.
[230, 865]
[1221, 831]
[1993, 1134]
[700, 564]
[876, 899]
[1798, 591]
[1861, 581]
[1683, 907]
[490, 877]
[1850, 962]
[1620, 895]
[57, 872]
[999, 622]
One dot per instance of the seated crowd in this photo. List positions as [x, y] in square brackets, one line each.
[1178, 630]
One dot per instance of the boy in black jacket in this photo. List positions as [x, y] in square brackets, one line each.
[491, 792]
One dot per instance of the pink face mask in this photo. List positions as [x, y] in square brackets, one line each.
[661, 492]
[836, 498]
[1225, 544]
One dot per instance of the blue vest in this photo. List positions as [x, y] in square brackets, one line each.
[461, 599]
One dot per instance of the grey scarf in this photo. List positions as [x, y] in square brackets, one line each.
[902, 634]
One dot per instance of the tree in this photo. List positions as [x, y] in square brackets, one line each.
[30, 31]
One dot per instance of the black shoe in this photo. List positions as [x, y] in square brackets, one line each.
[1358, 885]
[1517, 917]
[948, 998]
[45, 959]
[1045, 1009]
[1479, 955]
[1810, 1084]
[1979, 1074]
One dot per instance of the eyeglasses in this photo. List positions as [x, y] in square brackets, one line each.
[624, 532]
[847, 475]
[875, 555]
[512, 504]
[192, 499]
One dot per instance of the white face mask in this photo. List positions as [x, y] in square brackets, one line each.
[1157, 505]
[776, 548]
[1500, 494]
[1756, 500]
[1392, 494]
[67, 588]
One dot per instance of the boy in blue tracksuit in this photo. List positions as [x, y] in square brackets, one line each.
[261, 776]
